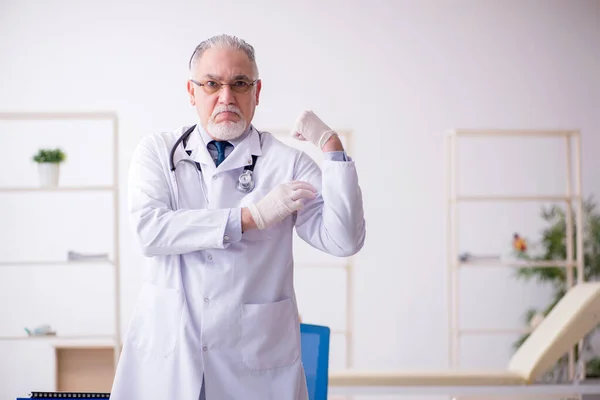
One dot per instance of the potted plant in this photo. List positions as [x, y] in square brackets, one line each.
[553, 247]
[49, 161]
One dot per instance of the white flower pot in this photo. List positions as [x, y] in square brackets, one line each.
[48, 173]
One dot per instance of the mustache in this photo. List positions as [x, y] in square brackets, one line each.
[226, 108]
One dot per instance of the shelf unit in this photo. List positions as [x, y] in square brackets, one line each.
[347, 332]
[348, 266]
[83, 341]
[573, 195]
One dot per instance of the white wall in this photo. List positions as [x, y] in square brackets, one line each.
[397, 73]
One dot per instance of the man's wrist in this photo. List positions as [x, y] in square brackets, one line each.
[333, 144]
[247, 220]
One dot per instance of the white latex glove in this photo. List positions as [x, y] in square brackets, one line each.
[309, 127]
[281, 202]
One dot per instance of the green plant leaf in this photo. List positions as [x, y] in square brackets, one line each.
[553, 246]
[50, 156]
[592, 368]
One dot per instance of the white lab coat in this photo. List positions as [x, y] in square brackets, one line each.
[247, 343]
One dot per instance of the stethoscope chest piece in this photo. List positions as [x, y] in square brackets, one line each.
[245, 182]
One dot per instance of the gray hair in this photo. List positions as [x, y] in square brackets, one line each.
[226, 42]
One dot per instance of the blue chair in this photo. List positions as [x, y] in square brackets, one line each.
[315, 359]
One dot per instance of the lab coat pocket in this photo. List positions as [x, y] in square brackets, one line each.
[257, 235]
[156, 320]
[270, 335]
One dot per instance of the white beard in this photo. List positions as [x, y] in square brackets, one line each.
[226, 130]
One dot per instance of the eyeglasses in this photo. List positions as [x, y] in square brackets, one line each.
[239, 86]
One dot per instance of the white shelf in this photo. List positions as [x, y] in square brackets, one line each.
[345, 265]
[514, 132]
[112, 188]
[516, 264]
[57, 338]
[85, 115]
[106, 188]
[493, 331]
[474, 198]
[324, 266]
[573, 193]
[53, 263]
[92, 343]
[66, 341]
[339, 332]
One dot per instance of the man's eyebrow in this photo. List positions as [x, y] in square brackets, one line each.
[213, 77]
[242, 77]
[235, 78]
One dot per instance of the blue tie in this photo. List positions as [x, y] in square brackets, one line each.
[221, 146]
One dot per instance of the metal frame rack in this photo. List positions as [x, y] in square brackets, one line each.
[114, 339]
[572, 138]
[348, 266]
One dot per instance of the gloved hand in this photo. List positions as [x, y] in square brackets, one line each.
[310, 127]
[281, 202]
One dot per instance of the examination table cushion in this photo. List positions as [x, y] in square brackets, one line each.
[572, 318]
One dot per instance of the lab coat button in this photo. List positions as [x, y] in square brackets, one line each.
[209, 257]
[226, 237]
[205, 348]
[206, 300]
[215, 177]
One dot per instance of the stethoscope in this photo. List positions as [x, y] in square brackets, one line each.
[245, 180]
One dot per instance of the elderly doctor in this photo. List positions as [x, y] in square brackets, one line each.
[217, 317]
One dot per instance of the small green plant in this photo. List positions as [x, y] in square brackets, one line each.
[50, 156]
[553, 246]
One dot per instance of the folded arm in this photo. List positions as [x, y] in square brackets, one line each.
[161, 230]
[334, 221]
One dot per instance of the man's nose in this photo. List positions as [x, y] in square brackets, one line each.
[226, 95]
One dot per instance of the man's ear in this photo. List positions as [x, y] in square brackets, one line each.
[191, 91]
[258, 87]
